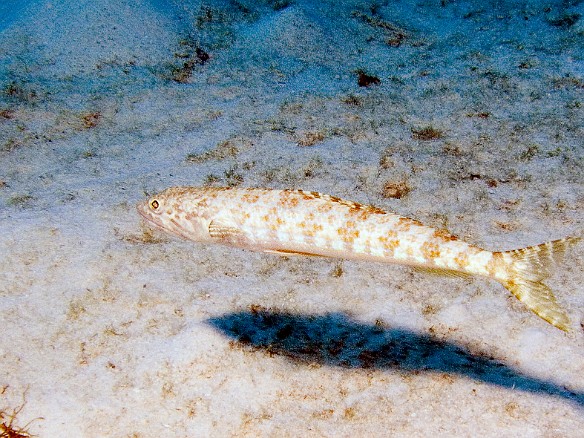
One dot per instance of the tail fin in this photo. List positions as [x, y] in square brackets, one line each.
[528, 267]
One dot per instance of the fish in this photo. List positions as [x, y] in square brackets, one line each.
[298, 222]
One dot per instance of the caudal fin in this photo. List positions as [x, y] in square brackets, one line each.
[528, 267]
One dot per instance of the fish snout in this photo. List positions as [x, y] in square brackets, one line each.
[143, 210]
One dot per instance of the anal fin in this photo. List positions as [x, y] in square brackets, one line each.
[441, 272]
[287, 252]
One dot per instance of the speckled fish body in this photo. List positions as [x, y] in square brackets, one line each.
[310, 223]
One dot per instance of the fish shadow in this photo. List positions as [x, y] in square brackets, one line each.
[335, 340]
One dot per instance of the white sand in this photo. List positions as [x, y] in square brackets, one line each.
[110, 330]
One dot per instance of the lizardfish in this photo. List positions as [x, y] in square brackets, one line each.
[298, 222]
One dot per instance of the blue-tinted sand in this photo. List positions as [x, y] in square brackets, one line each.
[466, 115]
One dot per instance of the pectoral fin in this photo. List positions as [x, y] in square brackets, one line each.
[223, 230]
[228, 233]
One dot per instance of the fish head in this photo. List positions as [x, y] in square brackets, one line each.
[180, 212]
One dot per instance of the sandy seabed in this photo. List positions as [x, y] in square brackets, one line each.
[465, 115]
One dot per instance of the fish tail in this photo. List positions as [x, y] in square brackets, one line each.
[527, 268]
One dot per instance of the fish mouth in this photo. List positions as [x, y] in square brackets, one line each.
[154, 222]
[144, 211]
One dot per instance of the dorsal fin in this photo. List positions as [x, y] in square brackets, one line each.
[336, 200]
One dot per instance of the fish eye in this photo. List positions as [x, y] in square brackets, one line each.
[154, 204]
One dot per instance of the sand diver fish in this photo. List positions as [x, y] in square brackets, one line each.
[298, 222]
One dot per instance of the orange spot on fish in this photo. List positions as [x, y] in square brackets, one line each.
[363, 215]
[461, 260]
[391, 244]
[250, 197]
[288, 201]
[494, 263]
[430, 250]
